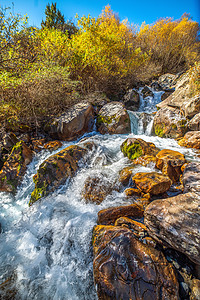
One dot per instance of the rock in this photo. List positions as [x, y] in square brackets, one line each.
[110, 215]
[125, 268]
[169, 123]
[166, 94]
[168, 81]
[113, 118]
[53, 145]
[14, 168]
[125, 175]
[132, 192]
[55, 170]
[195, 290]
[175, 223]
[153, 183]
[76, 121]
[170, 163]
[156, 86]
[98, 100]
[38, 144]
[190, 140]
[131, 100]
[194, 123]
[96, 189]
[137, 148]
[138, 228]
[146, 92]
[9, 140]
[191, 178]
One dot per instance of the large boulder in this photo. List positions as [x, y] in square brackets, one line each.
[125, 268]
[191, 178]
[55, 170]
[113, 118]
[15, 166]
[139, 151]
[175, 222]
[153, 182]
[109, 215]
[169, 123]
[170, 163]
[190, 140]
[194, 123]
[74, 122]
[132, 100]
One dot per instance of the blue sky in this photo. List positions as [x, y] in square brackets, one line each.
[136, 11]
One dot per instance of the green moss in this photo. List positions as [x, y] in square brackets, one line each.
[38, 193]
[132, 151]
[106, 120]
[159, 130]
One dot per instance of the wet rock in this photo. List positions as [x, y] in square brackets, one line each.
[53, 145]
[74, 122]
[110, 215]
[131, 100]
[191, 178]
[175, 223]
[156, 86]
[125, 268]
[146, 92]
[96, 189]
[138, 228]
[139, 151]
[169, 123]
[113, 118]
[125, 175]
[55, 170]
[190, 140]
[195, 290]
[170, 163]
[8, 289]
[38, 144]
[15, 166]
[133, 192]
[194, 123]
[153, 183]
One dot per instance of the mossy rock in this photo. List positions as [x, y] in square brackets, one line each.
[159, 130]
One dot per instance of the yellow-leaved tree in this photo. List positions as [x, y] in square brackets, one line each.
[103, 53]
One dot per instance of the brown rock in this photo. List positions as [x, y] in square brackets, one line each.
[195, 290]
[55, 170]
[15, 167]
[153, 183]
[194, 124]
[175, 222]
[131, 100]
[170, 163]
[191, 140]
[74, 122]
[125, 175]
[113, 118]
[132, 192]
[110, 215]
[53, 145]
[191, 178]
[96, 189]
[9, 140]
[38, 145]
[137, 227]
[125, 268]
[169, 122]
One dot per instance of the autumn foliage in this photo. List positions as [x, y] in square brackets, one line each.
[46, 70]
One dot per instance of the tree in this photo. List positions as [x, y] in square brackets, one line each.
[56, 20]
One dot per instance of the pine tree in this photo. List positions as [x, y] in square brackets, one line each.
[54, 18]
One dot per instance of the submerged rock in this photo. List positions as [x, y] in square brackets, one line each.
[74, 122]
[139, 151]
[113, 118]
[190, 140]
[110, 215]
[55, 170]
[169, 123]
[15, 166]
[153, 183]
[170, 163]
[175, 222]
[125, 268]
[96, 189]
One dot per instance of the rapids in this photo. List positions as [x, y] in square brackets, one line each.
[46, 248]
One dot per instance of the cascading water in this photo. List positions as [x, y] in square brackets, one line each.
[45, 249]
